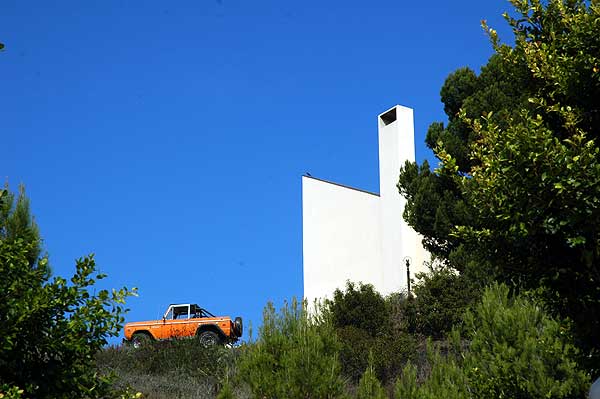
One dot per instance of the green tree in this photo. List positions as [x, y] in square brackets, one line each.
[295, 356]
[524, 206]
[16, 223]
[50, 329]
[518, 351]
[510, 348]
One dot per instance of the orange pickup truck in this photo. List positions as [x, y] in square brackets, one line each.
[186, 320]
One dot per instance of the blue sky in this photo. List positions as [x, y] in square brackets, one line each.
[169, 138]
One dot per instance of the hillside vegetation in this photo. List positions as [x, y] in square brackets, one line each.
[505, 346]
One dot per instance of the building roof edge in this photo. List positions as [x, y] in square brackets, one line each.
[341, 185]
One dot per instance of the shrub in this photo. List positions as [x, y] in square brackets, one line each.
[369, 386]
[361, 307]
[441, 298]
[446, 378]
[50, 328]
[515, 351]
[363, 323]
[355, 346]
[8, 392]
[226, 392]
[518, 351]
[406, 384]
[295, 356]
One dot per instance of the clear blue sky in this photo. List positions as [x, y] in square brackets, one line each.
[169, 138]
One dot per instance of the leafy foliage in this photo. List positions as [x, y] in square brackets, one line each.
[524, 204]
[441, 298]
[361, 307]
[435, 205]
[16, 223]
[390, 351]
[8, 392]
[295, 356]
[518, 351]
[50, 329]
[515, 351]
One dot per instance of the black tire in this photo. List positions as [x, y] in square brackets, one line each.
[139, 339]
[209, 338]
[238, 326]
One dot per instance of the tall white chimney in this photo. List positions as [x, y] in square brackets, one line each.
[398, 240]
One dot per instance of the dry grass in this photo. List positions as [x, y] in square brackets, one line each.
[171, 369]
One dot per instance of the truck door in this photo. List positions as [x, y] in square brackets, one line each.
[180, 321]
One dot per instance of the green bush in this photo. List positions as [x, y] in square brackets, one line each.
[8, 392]
[441, 298]
[446, 379]
[403, 312]
[406, 384]
[355, 346]
[226, 392]
[363, 322]
[361, 307]
[295, 356]
[512, 350]
[50, 328]
[369, 386]
[518, 351]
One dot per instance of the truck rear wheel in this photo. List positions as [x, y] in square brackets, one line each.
[209, 338]
[238, 327]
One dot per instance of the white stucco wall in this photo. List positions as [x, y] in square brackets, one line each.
[352, 235]
[340, 237]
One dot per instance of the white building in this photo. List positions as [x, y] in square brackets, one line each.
[351, 234]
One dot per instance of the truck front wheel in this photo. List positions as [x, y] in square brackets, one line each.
[139, 339]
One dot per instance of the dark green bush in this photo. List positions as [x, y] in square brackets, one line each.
[441, 298]
[512, 350]
[363, 322]
[518, 351]
[355, 346]
[361, 307]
